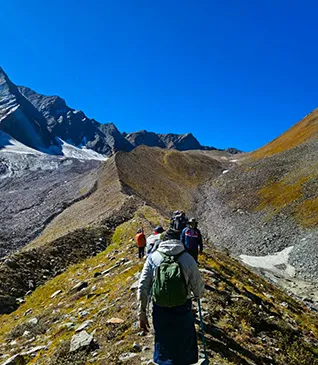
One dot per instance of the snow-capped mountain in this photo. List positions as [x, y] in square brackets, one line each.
[47, 124]
[21, 120]
[74, 127]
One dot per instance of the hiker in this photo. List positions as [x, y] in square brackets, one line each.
[192, 239]
[141, 242]
[154, 240]
[173, 276]
[179, 220]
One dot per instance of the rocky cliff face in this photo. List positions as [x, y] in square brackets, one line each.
[180, 142]
[74, 127]
[20, 119]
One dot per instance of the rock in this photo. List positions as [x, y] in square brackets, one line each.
[81, 341]
[67, 325]
[136, 347]
[84, 325]
[29, 311]
[78, 287]
[11, 263]
[33, 350]
[127, 356]
[26, 334]
[107, 271]
[134, 285]
[20, 301]
[208, 272]
[97, 274]
[141, 334]
[83, 313]
[115, 321]
[15, 360]
[54, 295]
[33, 321]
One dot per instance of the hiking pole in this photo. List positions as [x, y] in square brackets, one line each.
[206, 361]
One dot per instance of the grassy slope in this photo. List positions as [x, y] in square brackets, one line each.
[165, 178]
[247, 320]
[301, 132]
[280, 177]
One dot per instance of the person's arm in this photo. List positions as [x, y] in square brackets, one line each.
[200, 242]
[144, 288]
[195, 281]
[182, 238]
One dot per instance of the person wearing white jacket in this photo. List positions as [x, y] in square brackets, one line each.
[175, 336]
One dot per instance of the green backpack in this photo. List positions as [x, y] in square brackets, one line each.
[169, 287]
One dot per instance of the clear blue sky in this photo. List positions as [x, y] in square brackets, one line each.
[234, 73]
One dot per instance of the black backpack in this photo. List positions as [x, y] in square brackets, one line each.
[179, 222]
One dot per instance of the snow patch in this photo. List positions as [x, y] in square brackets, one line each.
[9, 144]
[272, 262]
[82, 153]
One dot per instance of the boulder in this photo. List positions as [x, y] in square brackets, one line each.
[82, 341]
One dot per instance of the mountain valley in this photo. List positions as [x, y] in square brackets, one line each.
[73, 192]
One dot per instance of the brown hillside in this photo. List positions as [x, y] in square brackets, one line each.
[305, 130]
[165, 178]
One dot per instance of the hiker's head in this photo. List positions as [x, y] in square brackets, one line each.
[139, 230]
[193, 223]
[171, 234]
[159, 229]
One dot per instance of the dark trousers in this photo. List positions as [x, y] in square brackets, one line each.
[175, 336]
[141, 252]
[194, 254]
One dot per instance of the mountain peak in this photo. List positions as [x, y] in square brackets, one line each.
[51, 117]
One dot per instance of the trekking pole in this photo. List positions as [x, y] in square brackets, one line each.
[206, 361]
